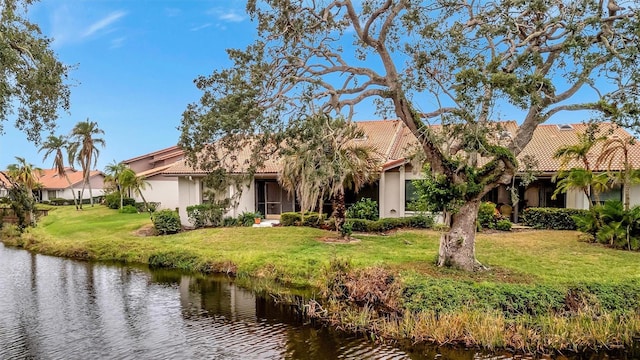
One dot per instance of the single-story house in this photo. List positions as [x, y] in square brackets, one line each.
[177, 185]
[5, 184]
[54, 186]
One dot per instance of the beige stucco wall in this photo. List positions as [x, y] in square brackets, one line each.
[163, 191]
[391, 194]
[246, 200]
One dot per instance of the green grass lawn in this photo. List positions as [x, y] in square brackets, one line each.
[298, 255]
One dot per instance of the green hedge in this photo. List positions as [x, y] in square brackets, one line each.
[551, 218]
[386, 224]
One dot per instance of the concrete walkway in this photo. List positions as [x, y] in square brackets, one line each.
[267, 223]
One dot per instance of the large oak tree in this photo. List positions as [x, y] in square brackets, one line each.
[460, 64]
[32, 80]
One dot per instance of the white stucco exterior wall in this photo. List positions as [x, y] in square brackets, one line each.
[163, 191]
[576, 199]
[246, 200]
[391, 192]
[190, 193]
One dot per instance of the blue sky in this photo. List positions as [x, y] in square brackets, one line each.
[136, 61]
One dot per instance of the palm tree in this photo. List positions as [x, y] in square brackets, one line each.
[613, 149]
[55, 145]
[580, 178]
[83, 148]
[113, 175]
[579, 151]
[584, 180]
[25, 174]
[325, 163]
[137, 184]
[25, 179]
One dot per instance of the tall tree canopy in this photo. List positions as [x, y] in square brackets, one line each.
[32, 80]
[83, 149]
[457, 63]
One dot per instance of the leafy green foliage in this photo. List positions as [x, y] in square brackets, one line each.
[364, 208]
[611, 224]
[34, 81]
[128, 209]
[290, 218]
[248, 218]
[166, 222]
[504, 225]
[209, 214]
[551, 218]
[386, 224]
[23, 205]
[488, 216]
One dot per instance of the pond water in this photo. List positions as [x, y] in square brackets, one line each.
[54, 308]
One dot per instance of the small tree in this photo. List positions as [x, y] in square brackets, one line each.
[325, 161]
[55, 144]
[618, 149]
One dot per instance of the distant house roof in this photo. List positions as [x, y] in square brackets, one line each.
[50, 179]
[158, 155]
[4, 180]
[393, 142]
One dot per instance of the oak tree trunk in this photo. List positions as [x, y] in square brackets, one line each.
[339, 210]
[457, 246]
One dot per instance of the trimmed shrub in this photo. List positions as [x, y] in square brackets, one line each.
[166, 222]
[488, 216]
[59, 201]
[419, 221]
[552, 218]
[290, 219]
[209, 214]
[313, 220]
[359, 225]
[503, 225]
[129, 209]
[365, 208]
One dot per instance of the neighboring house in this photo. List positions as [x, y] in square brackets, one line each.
[5, 184]
[177, 185]
[57, 187]
[161, 189]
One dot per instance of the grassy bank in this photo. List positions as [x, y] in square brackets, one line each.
[545, 289]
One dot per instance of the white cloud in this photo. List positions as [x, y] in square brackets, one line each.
[203, 26]
[227, 15]
[103, 23]
[231, 17]
[118, 42]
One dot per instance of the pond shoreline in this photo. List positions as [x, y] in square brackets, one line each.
[350, 298]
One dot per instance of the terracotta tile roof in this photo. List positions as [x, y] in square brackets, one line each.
[50, 180]
[393, 142]
[547, 139]
[4, 180]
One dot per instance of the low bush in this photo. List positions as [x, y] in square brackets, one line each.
[230, 221]
[551, 218]
[365, 208]
[59, 201]
[386, 224]
[209, 214]
[166, 222]
[128, 209]
[503, 225]
[313, 220]
[290, 219]
[488, 216]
